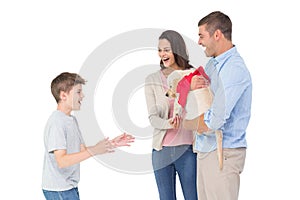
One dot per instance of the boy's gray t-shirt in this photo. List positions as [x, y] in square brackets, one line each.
[61, 132]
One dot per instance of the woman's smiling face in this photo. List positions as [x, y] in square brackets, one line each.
[165, 53]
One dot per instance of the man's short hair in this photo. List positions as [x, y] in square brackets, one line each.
[217, 20]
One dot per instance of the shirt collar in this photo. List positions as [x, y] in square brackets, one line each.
[220, 59]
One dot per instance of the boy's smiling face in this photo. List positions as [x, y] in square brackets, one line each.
[72, 100]
[75, 97]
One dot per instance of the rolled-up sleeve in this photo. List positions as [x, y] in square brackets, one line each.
[230, 84]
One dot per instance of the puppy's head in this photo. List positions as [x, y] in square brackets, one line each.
[173, 80]
[172, 89]
[171, 94]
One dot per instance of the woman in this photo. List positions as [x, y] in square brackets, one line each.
[172, 145]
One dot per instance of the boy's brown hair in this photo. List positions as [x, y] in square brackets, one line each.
[65, 82]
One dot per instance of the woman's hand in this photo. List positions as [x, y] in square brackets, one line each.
[175, 122]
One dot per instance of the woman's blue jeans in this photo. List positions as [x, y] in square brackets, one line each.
[71, 194]
[166, 163]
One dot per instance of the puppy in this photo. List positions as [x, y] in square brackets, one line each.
[194, 103]
[172, 81]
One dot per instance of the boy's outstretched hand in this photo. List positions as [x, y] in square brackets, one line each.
[122, 140]
[103, 146]
[107, 146]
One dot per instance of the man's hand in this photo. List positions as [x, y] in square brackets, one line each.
[199, 82]
[202, 127]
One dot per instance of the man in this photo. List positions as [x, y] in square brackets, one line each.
[231, 84]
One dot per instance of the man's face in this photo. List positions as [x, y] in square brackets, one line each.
[206, 41]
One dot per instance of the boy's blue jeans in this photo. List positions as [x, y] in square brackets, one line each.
[71, 194]
[167, 162]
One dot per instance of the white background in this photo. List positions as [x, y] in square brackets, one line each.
[40, 39]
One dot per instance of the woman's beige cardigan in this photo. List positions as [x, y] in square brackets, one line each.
[158, 108]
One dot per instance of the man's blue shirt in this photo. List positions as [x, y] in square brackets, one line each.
[231, 84]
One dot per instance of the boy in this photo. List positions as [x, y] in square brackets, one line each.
[64, 146]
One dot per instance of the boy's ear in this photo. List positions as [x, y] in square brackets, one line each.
[63, 95]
